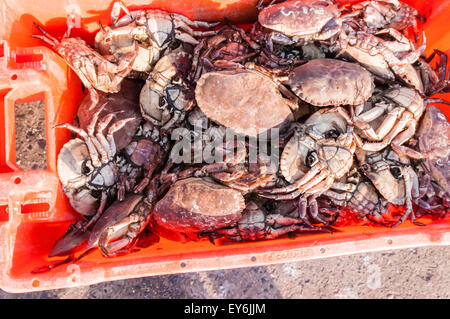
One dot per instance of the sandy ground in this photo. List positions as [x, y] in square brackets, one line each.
[407, 273]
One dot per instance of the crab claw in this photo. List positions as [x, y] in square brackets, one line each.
[72, 241]
[117, 229]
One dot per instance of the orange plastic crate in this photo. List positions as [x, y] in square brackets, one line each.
[34, 211]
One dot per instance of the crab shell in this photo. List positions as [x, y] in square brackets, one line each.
[244, 100]
[167, 68]
[407, 98]
[69, 164]
[79, 186]
[300, 18]
[115, 213]
[434, 136]
[194, 205]
[124, 105]
[391, 188]
[293, 157]
[323, 82]
[119, 42]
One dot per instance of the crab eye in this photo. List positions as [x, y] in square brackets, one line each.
[333, 133]
[311, 159]
[162, 101]
[85, 168]
[396, 172]
[365, 167]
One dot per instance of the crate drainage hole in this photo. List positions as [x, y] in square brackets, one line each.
[182, 264]
[389, 241]
[4, 216]
[17, 180]
[35, 208]
[31, 145]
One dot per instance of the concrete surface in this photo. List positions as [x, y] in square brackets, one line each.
[407, 273]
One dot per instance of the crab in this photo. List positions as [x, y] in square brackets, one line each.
[433, 138]
[255, 105]
[404, 107]
[143, 156]
[434, 80]
[386, 59]
[357, 194]
[94, 70]
[387, 14]
[300, 21]
[229, 164]
[167, 95]
[273, 55]
[227, 45]
[87, 166]
[123, 105]
[394, 178]
[196, 205]
[88, 172]
[320, 152]
[324, 82]
[257, 223]
[117, 231]
[154, 31]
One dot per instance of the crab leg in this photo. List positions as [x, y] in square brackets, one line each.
[47, 37]
[115, 12]
[408, 199]
[195, 23]
[384, 128]
[310, 175]
[87, 139]
[272, 233]
[99, 212]
[183, 25]
[339, 197]
[405, 121]
[117, 247]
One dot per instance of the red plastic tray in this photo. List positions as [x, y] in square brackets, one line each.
[33, 209]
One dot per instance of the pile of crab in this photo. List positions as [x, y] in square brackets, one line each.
[329, 112]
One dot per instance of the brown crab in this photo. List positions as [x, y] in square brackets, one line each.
[167, 95]
[141, 158]
[254, 93]
[387, 59]
[300, 21]
[404, 107]
[433, 138]
[227, 45]
[154, 30]
[384, 14]
[94, 71]
[319, 153]
[87, 166]
[229, 163]
[324, 82]
[196, 205]
[358, 195]
[394, 178]
[118, 229]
